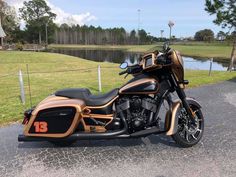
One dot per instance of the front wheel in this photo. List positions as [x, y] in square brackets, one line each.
[189, 134]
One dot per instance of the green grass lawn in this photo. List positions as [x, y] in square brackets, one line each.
[197, 49]
[50, 72]
[205, 51]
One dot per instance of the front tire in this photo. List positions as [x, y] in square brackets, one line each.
[188, 134]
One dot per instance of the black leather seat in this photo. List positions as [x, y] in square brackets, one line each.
[87, 96]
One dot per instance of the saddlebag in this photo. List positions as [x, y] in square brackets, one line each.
[54, 117]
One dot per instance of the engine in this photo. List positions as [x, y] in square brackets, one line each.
[139, 111]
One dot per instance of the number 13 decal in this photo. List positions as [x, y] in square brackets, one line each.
[41, 127]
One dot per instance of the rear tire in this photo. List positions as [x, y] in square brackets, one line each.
[187, 134]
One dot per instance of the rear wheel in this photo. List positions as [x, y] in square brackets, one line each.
[188, 133]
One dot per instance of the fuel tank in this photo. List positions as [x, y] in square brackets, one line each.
[141, 84]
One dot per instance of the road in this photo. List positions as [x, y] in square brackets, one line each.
[153, 156]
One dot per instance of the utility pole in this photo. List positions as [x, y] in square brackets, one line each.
[170, 24]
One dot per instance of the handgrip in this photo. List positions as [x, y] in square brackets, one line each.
[123, 72]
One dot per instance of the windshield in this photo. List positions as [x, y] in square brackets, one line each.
[161, 47]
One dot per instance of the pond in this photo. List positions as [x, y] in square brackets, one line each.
[119, 56]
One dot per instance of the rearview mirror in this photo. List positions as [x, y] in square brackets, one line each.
[123, 65]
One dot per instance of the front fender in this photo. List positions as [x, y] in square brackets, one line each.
[171, 120]
[194, 102]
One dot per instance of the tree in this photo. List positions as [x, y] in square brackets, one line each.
[221, 35]
[37, 14]
[225, 11]
[133, 37]
[204, 35]
[9, 21]
[143, 36]
[230, 37]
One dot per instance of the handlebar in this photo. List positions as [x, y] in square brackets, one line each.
[123, 72]
[132, 69]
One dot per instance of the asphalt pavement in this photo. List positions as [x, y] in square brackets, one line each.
[156, 156]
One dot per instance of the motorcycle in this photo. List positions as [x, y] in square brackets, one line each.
[131, 111]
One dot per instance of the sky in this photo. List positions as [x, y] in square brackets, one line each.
[188, 16]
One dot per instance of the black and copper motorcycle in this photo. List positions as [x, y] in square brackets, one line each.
[128, 112]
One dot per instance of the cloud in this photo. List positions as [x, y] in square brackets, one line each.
[62, 16]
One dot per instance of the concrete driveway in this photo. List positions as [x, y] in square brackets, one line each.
[153, 156]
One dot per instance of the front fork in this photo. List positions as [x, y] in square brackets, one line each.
[180, 92]
[185, 104]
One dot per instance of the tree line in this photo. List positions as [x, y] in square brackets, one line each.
[208, 35]
[39, 18]
[88, 35]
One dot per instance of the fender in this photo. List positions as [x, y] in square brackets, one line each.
[171, 120]
[194, 102]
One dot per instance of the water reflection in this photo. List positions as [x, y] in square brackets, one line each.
[204, 64]
[113, 56]
[119, 56]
